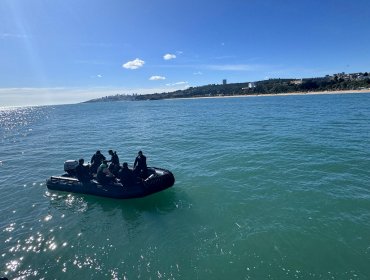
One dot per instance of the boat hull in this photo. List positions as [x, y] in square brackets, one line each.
[159, 180]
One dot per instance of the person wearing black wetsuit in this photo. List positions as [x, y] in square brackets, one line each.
[114, 162]
[82, 171]
[96, 160]
[114, 157]
[103, 175]
[126, 175]
[140, 168]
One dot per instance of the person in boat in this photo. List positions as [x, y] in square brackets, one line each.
[126, 175]
[96, 161]
[114, 157]
[140, 168]
[104, 176]
[82, 171]
[114, 162]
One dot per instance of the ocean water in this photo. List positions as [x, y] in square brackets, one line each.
[266, 188]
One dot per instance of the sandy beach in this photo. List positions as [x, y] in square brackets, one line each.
[283, 94]
[318, 92]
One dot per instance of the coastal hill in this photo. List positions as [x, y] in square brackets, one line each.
[336, 82]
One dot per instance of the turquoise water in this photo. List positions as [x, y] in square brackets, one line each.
[266, 188]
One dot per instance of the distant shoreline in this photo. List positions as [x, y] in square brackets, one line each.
[279, 94]
[334, 84]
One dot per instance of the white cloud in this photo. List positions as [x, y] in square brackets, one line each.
[198, 73]
[177, 84]
[157, 78]
[134, 64]
[169, 56]
[98, 76]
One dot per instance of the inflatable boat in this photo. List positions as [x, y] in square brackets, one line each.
[158, 180]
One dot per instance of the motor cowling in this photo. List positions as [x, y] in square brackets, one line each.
[70, 167]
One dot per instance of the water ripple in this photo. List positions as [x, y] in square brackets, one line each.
[266, 188]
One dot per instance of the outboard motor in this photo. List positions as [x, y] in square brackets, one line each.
[70, 167]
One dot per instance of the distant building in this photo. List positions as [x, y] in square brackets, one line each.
[251, 85]
[343, 76]
[224, 81]
[297, 82]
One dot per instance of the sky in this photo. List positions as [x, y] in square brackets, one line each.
[68, 51]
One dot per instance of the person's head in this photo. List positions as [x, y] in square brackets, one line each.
[140, 153]
[125, 165]
[98, 152]
[81, 161]
[110, 152]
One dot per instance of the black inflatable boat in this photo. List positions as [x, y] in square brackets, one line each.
[158, 180]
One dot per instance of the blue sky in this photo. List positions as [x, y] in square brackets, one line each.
[65, 51]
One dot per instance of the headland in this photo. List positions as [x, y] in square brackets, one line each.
[337, 84]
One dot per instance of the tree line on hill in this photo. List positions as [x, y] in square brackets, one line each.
[336, 82]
